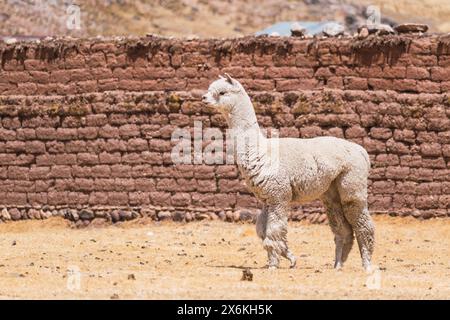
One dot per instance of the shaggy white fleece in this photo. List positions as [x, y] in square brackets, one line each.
[283, 171]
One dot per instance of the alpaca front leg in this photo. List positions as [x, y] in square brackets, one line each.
[275, 236]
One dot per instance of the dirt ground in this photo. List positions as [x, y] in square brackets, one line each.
[205, 260]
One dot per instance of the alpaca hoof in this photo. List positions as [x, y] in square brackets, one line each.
[338, 266]
[368, 269]
[293, 263]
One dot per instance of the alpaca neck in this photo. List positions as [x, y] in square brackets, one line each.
[250, 143]
[242, 117]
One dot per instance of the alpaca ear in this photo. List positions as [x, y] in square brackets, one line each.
[229, 78]
[221, 77]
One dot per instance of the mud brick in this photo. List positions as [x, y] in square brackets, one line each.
[98, 198]
[109, 158]
[206, 186]
[61, 172]
[227, 171]
[18, 173]
[160, 198]
[35, 147]
[137, 144]
[46, 133]
[354, 83]
[57, 197]
[120, 171]
[427, 202]
[76, 146]
[226, 186]
[203, 199]
[114, 145]
[355, 132]
[396, 147]
[87, 159]
[129, 131]
[296, 84]
[102, 184]
[436, 163]
[138, 198]
[440, 74]
[132, 158]
[183, 171]
[383, 187]
[224, 200]
[167, 185]
[39, 173]
[431, 149]
[25, 134]
[87, 133]
[421, 174]
[406, 187]
[397, 173]
[36, 199]
[310, 132]
[6, 135]
[96, 120]
[15, 198]
[108, 131]
[181, 199]
[15, 146]
[387, 159]
[204, 172]
[404, 135]
[160, 145]
[380, 133]
[101, 171]
[45, 160]
[142, 171]
[122, 184]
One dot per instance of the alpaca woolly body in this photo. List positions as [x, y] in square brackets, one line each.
[285, 171]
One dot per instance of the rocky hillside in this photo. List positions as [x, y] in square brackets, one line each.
[204, 18]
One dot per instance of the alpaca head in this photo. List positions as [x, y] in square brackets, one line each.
[224, 93]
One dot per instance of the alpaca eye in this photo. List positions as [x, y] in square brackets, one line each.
[221, 93]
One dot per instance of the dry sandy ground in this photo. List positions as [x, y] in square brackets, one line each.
[204, 260]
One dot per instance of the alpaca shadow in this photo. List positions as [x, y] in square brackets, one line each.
[254, 268]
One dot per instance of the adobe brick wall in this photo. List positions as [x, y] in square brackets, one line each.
[86, 123]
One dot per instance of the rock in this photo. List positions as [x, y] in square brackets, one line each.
[363, 33]
[135, 214]
[297, 30]
[45, 214]
[164, 215]
[245, 215]
[72, 215]
[222, 216]
[98, 222]
[236, 216]
[333, 29]
[4, 215]
[247, 275]
[147, 212]
[188, 216]
[322, 218]
[10, 40]
[115, 296]
[229, 215]
[178, 216]
[15, 214]
[86, 214]
[411, 28]
[34, 214]
[202, 216]
[379, 29]
[125, 215]
[115, 217]
[100, 214]
[213, 216]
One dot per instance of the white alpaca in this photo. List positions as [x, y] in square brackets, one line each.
[289, 170]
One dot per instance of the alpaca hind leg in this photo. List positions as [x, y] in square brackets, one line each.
[357, 214]
[275, 241]
[343, 232]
